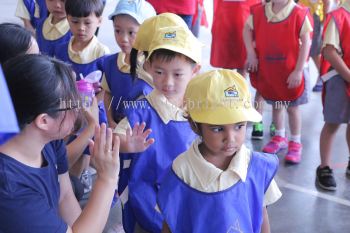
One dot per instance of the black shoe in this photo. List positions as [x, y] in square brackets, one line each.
[325, 179]
[258, 132]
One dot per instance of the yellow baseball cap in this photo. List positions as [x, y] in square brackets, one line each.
[178, 39]
[220, 97]
[148, 28]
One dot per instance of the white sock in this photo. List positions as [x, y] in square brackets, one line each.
[295, 138]
[280, 132]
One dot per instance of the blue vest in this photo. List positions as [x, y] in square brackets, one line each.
[43, 13]
[148, 168]
[236, 209]
[61, 52]
[47, 47]
[121, 86]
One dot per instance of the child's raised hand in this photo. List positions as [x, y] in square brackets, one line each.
[252, 62]
[105, 153]
[294, 79]
[136, 141]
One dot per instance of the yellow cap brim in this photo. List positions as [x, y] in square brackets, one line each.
[185, 52]
[223, 116]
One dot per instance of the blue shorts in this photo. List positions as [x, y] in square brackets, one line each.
[336, 108]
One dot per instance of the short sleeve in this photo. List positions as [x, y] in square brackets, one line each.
[26, 211]
[250, 23]
[61, 156]
[307, 27]
[272, 194]
[331, 36]
[22, 11]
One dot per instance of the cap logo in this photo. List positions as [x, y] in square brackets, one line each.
[170, 35]
[231, 92]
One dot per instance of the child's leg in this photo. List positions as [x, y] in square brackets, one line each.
[324, 174]
[258, 127]
[294, 117]
[279, 141]
[326, 142]
[294, 146]
[259, 103]
[278, 119]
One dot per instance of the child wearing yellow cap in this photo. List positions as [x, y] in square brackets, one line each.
[218, 180]
[174, 59]
[142, 81]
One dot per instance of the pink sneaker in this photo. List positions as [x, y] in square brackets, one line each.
[294, 152]
[276, 144]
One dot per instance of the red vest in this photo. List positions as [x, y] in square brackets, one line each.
[181, 7]
[227, 47]
[341, 18]
[277, 48]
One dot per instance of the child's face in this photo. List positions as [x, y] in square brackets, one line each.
[171, 78]
[125, 29]
[84, 28]
[222, 140]
[56, 8]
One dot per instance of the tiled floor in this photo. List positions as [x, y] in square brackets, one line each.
[302, 208]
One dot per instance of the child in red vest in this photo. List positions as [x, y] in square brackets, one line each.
[336, 92]
[276, 64]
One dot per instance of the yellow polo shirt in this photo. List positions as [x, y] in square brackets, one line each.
[166, 111]
[331, 34]
[280, 16]
[22, 11]
[202, 175]
[55, 31]
[91, 52]
[125, 68]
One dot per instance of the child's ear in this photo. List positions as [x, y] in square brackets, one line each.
[196, 69]
[99, 21]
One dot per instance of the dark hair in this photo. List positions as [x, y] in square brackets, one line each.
[134, 61]
[83, 8]
[38, 84]
[14, 40]
[168, 55]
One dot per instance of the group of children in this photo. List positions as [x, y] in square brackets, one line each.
[180, 133]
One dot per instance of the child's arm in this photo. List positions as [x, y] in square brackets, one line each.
[76, 148]
[265, 227]
[332, 56]
[252, 60]
[294, 78]
[107, 102]
[165, 228]
[28, 25]
[135, 140]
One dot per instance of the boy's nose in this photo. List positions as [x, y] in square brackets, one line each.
[168, 81]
